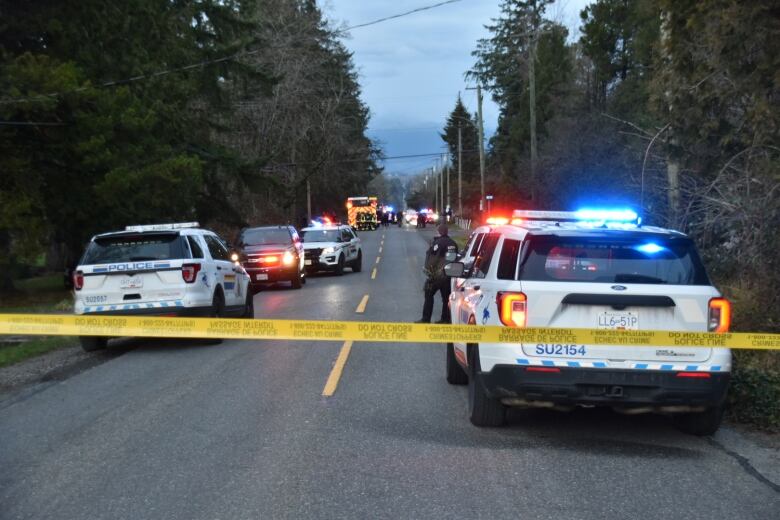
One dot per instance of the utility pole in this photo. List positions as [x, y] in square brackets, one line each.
[308, 200]
[481, 151]
[447, 206]
[460, 170]
[532, 96]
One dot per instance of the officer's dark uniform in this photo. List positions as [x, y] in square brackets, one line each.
[435, 258]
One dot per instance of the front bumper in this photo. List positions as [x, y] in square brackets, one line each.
[321, 262]
[271, 274]
[604, 387]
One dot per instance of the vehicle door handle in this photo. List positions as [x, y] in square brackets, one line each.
[219, 268]
[474, 287]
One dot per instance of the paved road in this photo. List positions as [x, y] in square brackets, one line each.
[179, 430]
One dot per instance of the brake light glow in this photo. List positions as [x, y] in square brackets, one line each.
[694, 375]
[719, 316]
[288, 258]
[78, 280]
[189, 272]
[550, 370]
[512, 308]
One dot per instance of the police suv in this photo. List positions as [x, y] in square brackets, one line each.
[164, 270]
[597, 269]
[331, 247]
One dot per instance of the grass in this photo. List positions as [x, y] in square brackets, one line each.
[38, 294]
[16, 352]
[754, 394]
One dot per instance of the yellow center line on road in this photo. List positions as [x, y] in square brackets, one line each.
[378, 259]
[361, 308]
[338, 367]
[373, 274]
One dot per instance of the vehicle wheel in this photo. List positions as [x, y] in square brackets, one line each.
[296, 281]
[357, 265]
[93, 343]
[455, 373]
[483, 410]
[340, 266]
[217, 311]
[249, 306]
[700, 423]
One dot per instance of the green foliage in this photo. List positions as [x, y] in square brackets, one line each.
[754, 394]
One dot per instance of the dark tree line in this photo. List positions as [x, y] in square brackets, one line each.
[670, 106]
[220, 111]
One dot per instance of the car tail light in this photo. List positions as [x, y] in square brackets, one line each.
[512, 308]
[720, 315]
[189, 272]
[288, 258]
[78, 280]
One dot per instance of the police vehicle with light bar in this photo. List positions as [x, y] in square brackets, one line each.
[162, 270]
[331, 247]
[594, 269]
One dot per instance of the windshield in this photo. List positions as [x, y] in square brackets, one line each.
[360, 203]
[135, 248]
[641, 260]
[263, 236]
[321, 235]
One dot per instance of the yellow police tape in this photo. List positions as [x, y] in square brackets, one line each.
[148, 326]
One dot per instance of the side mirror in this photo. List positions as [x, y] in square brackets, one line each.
[455, 269]
[451, 256]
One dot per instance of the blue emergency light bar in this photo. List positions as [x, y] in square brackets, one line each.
[591, 216]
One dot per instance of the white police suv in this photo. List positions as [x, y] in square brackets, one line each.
[331, 247]
[163, 270]
[598, 269]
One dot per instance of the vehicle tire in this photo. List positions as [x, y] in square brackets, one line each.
[340, 266]
[700, 423]
[217, 311]
[483, 409]
[455, 373]
[357, 265]
[93, 343]
[249, 306]
[296, 281]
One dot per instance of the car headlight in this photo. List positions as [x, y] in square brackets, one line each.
[288, 258]
[329, 250]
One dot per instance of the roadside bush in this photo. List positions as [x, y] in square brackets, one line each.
[754, 395]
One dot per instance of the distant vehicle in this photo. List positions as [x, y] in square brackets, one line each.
[163, 270]
[362, 213]
[271, 254]
[332, 248]
[593, 269]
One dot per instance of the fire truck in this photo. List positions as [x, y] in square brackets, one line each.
[361, 213]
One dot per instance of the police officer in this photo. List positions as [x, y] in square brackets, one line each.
[437, 281]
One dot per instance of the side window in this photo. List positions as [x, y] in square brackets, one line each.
[478, 238]
[507, 262]
[216, 248]
[197, 251]
[345, 237]
[485, 255]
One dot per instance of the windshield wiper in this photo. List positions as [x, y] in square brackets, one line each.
[636, 278]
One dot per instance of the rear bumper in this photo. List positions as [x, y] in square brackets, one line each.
[190, 312]
[604, 387]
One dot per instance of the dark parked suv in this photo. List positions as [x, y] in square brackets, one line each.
[272, 254]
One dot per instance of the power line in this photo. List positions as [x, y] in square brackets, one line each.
[380, 20]
[207, 62]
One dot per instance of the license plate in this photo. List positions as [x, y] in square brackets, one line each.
[262, 277]
[135, 282]
[307, 262]
[618, 320]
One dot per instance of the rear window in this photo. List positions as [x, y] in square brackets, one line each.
[135, 248]
[259, 237]
[650, 261]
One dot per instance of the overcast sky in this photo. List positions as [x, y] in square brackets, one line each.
[411, 68]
